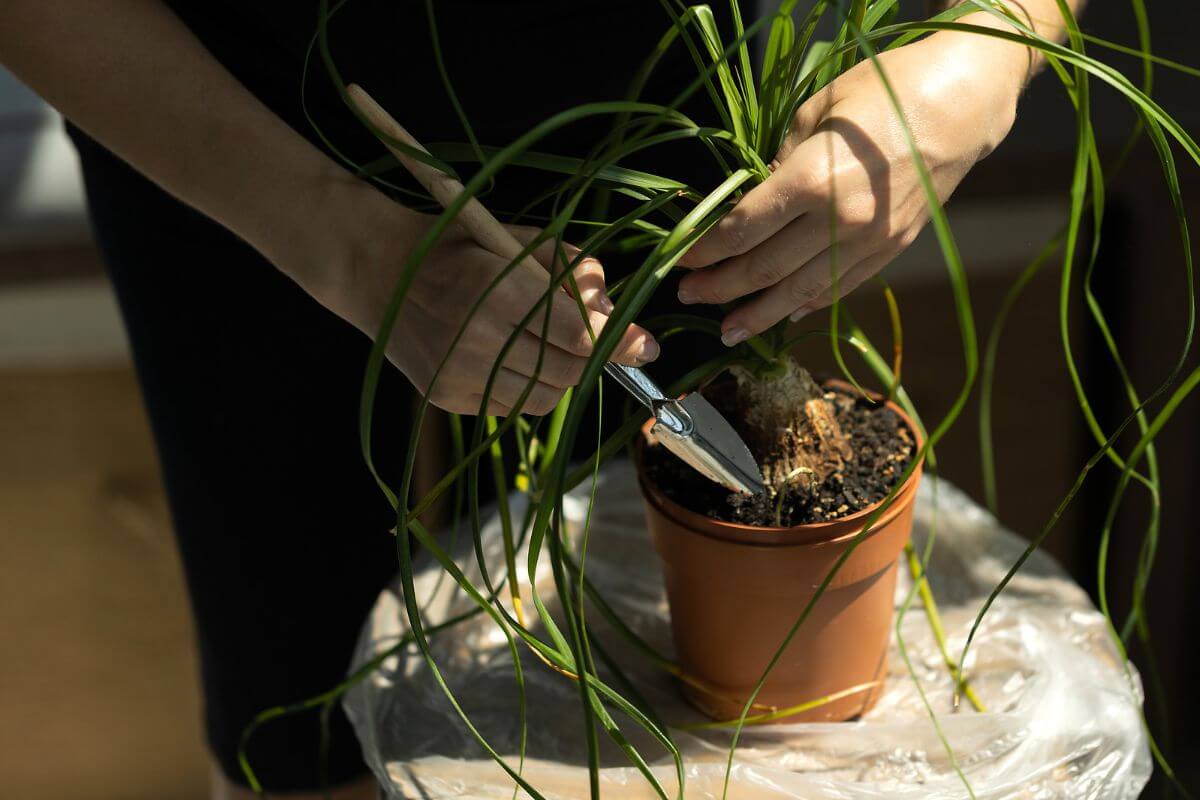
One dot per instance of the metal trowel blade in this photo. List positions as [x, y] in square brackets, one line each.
[711, 446]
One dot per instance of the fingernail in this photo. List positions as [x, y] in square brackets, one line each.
[606, 304]
[734, 336]
[649, 351]
[685, 296]
[799, 314]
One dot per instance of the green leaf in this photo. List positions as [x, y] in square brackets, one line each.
[737, 104]
[455, 151]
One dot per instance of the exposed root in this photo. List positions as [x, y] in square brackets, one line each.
[790, 426]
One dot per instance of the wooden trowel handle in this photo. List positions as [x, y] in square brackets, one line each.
[474, 218]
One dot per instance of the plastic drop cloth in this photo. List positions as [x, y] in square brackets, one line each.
[1062, 721]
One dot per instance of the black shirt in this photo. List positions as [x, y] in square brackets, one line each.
[512, 64]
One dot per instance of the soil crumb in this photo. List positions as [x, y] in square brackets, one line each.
[881, 445]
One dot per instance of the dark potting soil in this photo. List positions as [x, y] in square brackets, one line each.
[882, 447]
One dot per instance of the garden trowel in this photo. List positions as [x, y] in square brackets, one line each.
[695, 431]
[689, 427]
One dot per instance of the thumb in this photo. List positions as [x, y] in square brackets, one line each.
[588, 281]
[555, 257]
[804, 123]
[637, 345]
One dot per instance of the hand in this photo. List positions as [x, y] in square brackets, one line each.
[454, 275]
[846, 161]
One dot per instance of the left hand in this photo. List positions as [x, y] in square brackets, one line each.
[846, 157]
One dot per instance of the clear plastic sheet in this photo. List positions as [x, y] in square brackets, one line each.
[1062, 721]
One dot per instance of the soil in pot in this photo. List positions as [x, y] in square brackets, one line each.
[880, 446]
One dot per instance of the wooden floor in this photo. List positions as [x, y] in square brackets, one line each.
[97, 673]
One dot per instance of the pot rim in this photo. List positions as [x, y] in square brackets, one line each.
[829, 532]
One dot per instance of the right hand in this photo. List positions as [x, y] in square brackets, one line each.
[453, 276]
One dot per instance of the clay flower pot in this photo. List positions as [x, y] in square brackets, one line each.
[735, 590]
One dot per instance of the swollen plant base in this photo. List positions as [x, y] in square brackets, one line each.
[790, 426]
[736, 590]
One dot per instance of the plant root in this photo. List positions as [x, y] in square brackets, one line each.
[790, 426]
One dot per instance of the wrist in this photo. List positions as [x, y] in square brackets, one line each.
[339, 230]
[988, 73]
[1002, 61]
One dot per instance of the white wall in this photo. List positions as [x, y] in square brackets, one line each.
[41, 198]
[49, 323]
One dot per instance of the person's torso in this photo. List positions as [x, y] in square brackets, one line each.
[511, 64]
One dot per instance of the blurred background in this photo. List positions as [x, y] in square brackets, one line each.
[98, 691]
[97, 678]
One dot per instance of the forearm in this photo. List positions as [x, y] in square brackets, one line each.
[134, 77]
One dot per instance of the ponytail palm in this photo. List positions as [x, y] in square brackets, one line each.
[659, 218]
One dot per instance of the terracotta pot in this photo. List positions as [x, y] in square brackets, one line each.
[735, 590]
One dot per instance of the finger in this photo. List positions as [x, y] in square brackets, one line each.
[558, 367]
[785, 195]
[589, 281]
[494, 408]
[557, 256]
[798, 290]
[509, 386]
[463, 401]
[860, 274]
[761, 268]
[571, 331]
[763, 212]
[805, 122]
[469, 405]
[568, 329]
[637, 347]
